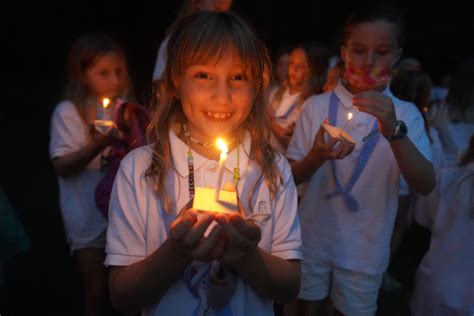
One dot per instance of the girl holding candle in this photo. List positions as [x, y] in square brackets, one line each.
[161, 261]
[348, 216]
[97, 69]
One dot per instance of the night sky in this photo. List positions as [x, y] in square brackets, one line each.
[36, 40]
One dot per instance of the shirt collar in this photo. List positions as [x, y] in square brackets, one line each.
[179, 154]
[345, 97]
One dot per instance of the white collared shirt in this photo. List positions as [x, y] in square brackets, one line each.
[358, 240]
[445, 278]
[138, 224]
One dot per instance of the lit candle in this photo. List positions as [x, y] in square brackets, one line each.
[220, 171]
[106, 114]
[349, 116]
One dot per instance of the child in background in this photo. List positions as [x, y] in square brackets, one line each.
[348, 218]
[455, 124]
[280, 67]
[307, 69]
[97, 69]
[335, 73]
[187, 8]
[161, 260]
[444, 281]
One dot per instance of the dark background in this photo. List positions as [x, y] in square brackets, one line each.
[36, 40]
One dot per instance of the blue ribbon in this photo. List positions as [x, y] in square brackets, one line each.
[289, 111]
[366, 151]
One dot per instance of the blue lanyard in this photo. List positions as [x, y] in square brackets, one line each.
[366, 151]
[289, 111]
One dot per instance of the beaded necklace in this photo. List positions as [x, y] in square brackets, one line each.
[191, 163]
[190, 137]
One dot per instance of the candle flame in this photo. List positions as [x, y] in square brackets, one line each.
[222, 145]
[349, 115]
[105, 103]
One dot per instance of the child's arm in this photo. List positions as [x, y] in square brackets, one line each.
[415, 168]
[145, 282]
[283, 134]
[268, 275]
[75, 162]
[321, 151]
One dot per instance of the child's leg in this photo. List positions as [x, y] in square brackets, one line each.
[315, 283]
[94, 278]
[355, 293]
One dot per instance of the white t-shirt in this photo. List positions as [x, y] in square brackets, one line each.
[82, 219]
[444, 283]
[455, 138]
[285, 113]
[138, 225]
[161, 59]
[359, 240]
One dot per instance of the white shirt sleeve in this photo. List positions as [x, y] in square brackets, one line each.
[126, 229]
[425, 208]
[286, 241]
[161, 59]
[67, 130]
[303, 135]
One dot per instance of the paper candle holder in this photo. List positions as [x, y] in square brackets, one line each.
[336, 132]
[204, 200]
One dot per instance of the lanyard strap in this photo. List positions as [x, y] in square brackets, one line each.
[289, 110]
[366, 151]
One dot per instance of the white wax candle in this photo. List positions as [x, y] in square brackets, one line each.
[220, 170]
[349, 116]
[104, 112]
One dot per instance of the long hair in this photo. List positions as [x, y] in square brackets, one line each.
[201, 38]
[84, 53]
[317, 56]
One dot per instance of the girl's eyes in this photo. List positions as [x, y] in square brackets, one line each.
[202, 75]
[379, 52]
[239, 77]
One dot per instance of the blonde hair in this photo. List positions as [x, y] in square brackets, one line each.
[201, 38]
[84, 53]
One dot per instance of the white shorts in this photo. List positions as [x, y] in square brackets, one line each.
[353, 293]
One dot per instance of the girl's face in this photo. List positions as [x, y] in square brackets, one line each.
[370, 52]
[214, 5]
[107, 77]
[216, 97]
[282, 68]
[298, 70]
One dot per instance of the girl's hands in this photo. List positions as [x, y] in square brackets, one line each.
[187, 235]
[110, 137]
[241, 238]
[336, 148]
[283, 134]
[380, 106]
